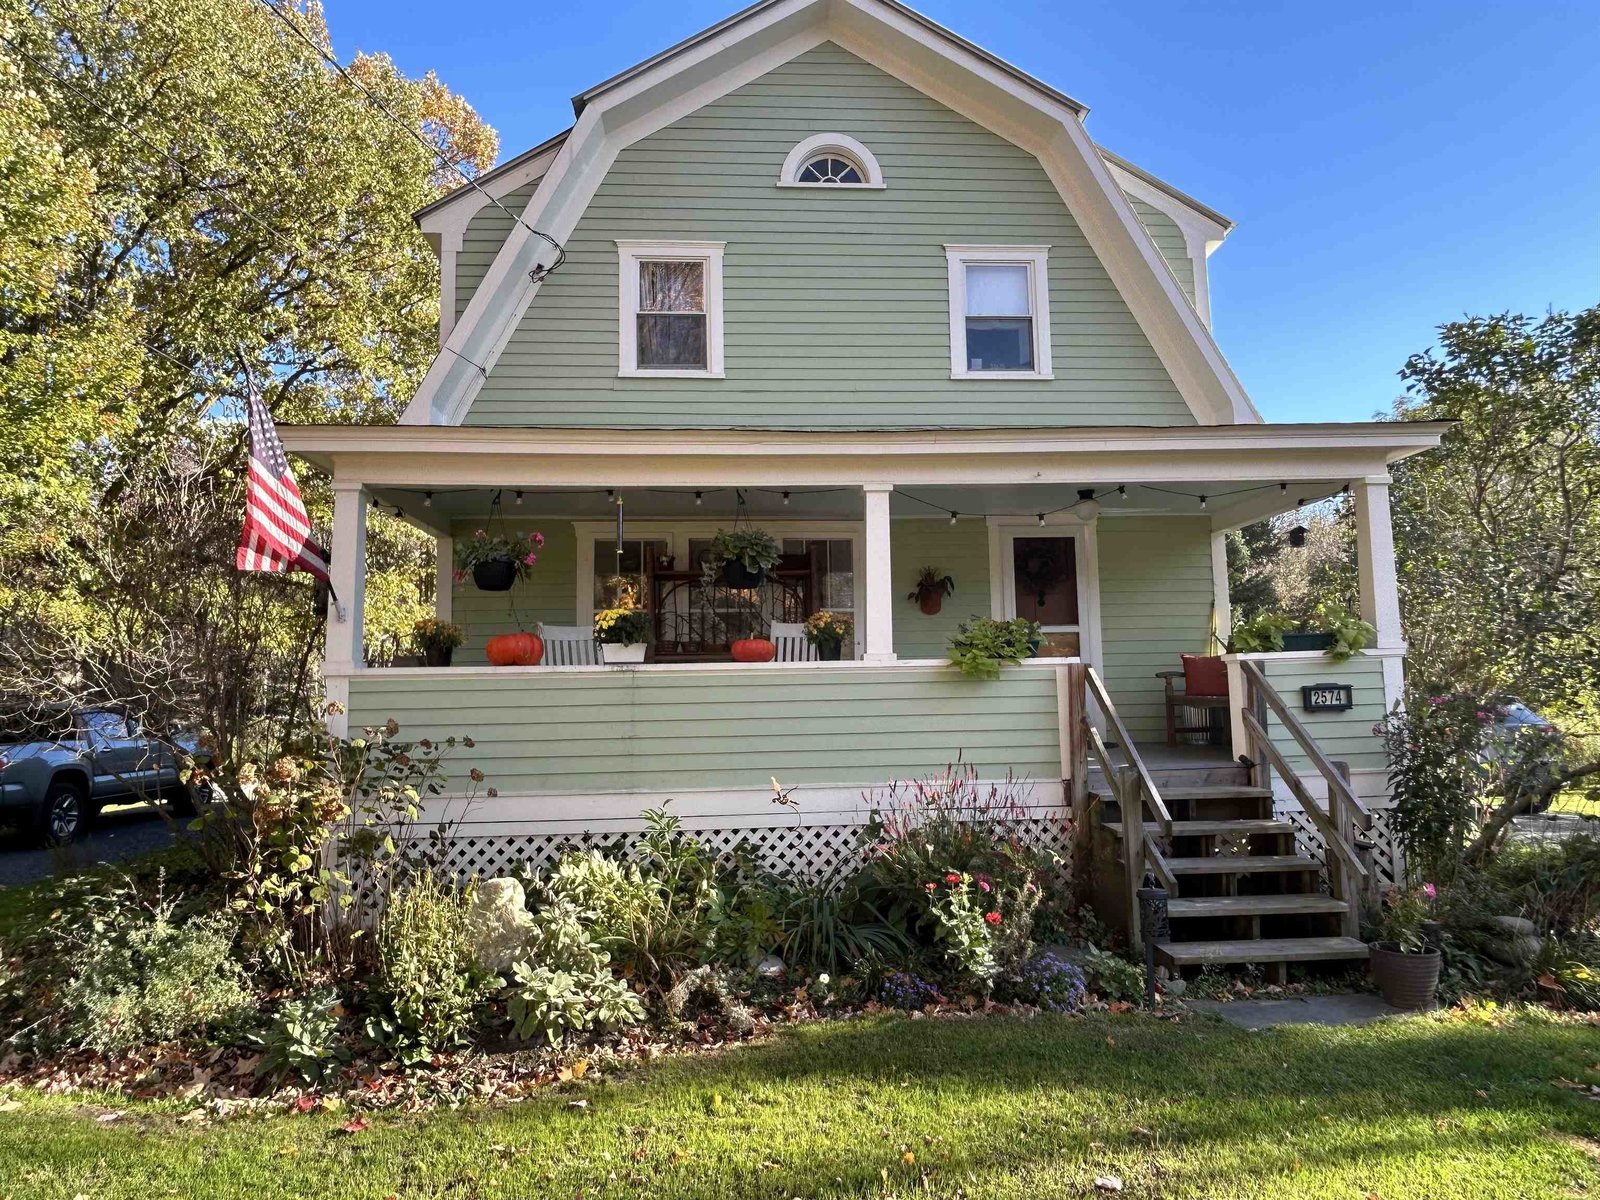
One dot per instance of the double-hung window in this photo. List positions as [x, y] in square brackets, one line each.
[999, 312]
[670, 319]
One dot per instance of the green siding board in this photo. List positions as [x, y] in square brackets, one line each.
[960, 551]
[1348, 735]
[546, 595]
[1155, 604]
[835, 302]
[650, 732]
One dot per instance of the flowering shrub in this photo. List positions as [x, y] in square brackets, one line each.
[521, 549]
[1402, 916]
[909, 992]
[1449, 764]
[1049, 982]
[962, 925]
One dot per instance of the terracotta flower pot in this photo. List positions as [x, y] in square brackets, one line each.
[514, 650]
[753, 650]
[930, 602]
[1407, 981]
[495, 575]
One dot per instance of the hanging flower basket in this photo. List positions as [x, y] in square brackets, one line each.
[495, 575]
[736, 575]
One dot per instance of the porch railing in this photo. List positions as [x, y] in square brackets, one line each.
[1130, 783]
[1348, 875]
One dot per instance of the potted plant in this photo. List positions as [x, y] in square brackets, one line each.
[495, 563]
[1404, 964]
[931, 589]
[435, 640]
[744, 556]
[622, 634]
[1332, 628]
[828, 632]
[980, 646]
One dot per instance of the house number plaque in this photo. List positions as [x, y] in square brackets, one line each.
[1327, 697]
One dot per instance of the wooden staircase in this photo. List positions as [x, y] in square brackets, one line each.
[1239, 891]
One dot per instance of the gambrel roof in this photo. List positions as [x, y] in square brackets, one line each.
[948, 69]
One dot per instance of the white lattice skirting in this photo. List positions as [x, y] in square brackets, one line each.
[1387, 861]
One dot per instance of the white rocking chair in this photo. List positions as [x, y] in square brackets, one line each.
[790, 639]
[569, 645]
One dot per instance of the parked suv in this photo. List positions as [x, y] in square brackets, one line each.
[59, 767]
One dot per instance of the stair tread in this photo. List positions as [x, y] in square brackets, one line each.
[1262, 950]
[1215, 791]
[1251, 906]
[1212, 828]
[1241, 864]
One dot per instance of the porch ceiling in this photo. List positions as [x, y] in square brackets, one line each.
[1225, 498]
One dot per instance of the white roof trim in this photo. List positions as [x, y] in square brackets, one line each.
[904, 45]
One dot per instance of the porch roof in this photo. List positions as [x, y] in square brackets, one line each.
[962, 470]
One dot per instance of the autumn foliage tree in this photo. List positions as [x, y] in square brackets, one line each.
[189, 192]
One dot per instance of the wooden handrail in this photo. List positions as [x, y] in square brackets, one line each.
[1308, 744]
[1332, 836]
[1147, 785]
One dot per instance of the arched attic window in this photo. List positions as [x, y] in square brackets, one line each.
[830, 160]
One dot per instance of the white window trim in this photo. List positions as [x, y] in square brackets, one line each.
[630, 253]
[847, 147]
[677, 532]
[1037, 260]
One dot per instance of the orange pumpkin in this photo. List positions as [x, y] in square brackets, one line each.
[514, 650]
[753, 650]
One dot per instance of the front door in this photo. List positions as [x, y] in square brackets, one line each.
[1041, 578]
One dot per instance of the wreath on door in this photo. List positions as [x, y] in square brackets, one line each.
[1039, 571]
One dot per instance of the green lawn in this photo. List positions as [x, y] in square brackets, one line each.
[993, 1107]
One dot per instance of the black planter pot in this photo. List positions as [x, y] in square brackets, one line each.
[829, 651]
[437, 656]
[736, 575]
[495, 575]
[1308, 641]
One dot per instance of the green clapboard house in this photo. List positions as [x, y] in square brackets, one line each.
[831, 273]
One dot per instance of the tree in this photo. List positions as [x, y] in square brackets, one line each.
[188, 191]
[1498, 531]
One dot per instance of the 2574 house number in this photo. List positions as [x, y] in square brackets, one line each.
[1327, 697]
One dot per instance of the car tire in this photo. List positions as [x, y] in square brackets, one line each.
[64, 814]
[190, 800]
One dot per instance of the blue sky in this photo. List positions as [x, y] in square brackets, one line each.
[1390, 166]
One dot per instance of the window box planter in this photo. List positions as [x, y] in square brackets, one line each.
[1308, 641]
[494, 575]
[1407, 981]
[622, 652]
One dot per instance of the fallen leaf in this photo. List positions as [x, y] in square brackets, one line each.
[579, 1067]
[1108, 1183]
[908, 1158]
[9, 1105]
[106, 1118]
[355, 1125]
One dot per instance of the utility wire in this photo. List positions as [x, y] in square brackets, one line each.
[538, 273]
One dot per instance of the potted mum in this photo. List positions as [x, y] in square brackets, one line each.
[1404, 964]
[435, 640]
[931, 589]
[744, 556]
[622, 634]
[828, 631]
[495, 563]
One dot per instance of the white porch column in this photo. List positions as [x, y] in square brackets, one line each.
[444, 577]
[879, 646]
[349, 578]
[1221, 602]
[1380, 592]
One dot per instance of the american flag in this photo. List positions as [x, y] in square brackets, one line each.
[277, 531]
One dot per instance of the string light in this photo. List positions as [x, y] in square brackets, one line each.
[1202, 501]
[699, 499]
[1122, 492]
[519, 497]
[427, 499]
[1041, 520]
[952, 518]
[1283, 487]
[786, 499]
